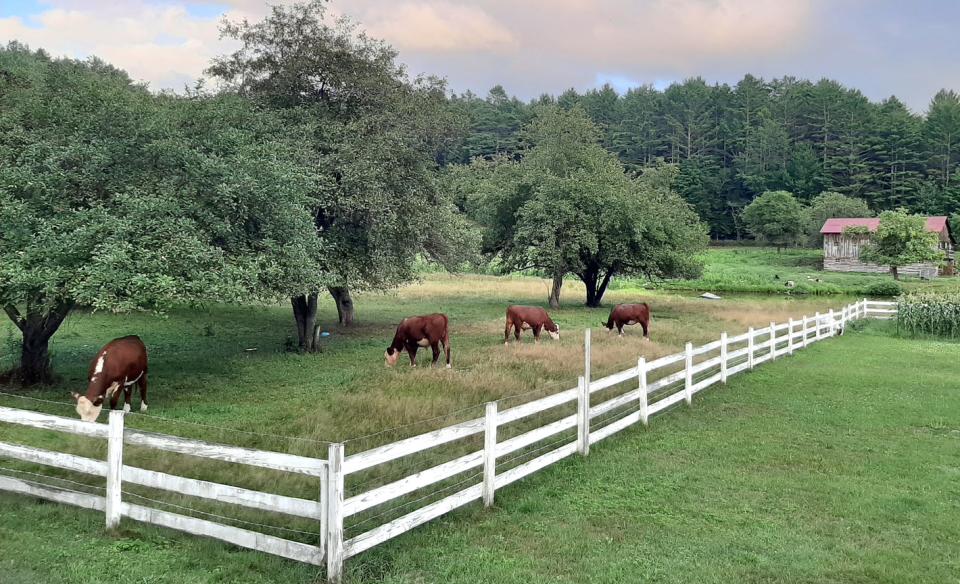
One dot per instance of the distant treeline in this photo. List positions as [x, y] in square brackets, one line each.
[734, 143]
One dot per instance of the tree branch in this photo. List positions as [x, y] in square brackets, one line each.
[14, 315]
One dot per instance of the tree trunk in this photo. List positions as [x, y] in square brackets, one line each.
[37, 328]
[305, 315]
[34, 357]
[603, 287]
[589, 279]
[554, 298]
[596, 286]
[896, 274]
[341, 296]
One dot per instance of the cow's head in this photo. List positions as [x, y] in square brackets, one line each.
[555, 333]
[609, 327]
[88, 410]
[391, 355]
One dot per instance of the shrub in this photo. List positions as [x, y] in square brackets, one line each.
[929, 313]
[885, 288]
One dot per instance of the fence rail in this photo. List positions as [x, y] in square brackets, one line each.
[117, 474]
[657, 386]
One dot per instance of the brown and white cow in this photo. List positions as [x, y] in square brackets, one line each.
[118, 365]
[627, 314]
[414, 332]
[520, 318]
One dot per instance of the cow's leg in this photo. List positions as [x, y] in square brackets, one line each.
[446, 347]
[435, 347]
[646, 332]
[114, 391]
[143, 391]
[127, 392]
[536, 334]
[506, 333]
[412, 350]
[620, 328]
[517, 329]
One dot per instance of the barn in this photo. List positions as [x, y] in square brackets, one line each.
[841, 251]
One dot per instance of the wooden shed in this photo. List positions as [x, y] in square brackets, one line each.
[841, 252]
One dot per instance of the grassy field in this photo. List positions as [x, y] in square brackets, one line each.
[828, 466]
[202, 369]
[756, 269]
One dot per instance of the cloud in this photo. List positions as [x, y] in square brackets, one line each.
[164, 45]
[441, 27]
[537, 46]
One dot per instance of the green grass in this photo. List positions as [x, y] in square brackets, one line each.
[828, 466]
[202, 371]
[755, 269]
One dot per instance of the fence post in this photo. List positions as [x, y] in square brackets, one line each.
[688, 374]
[586, 356]
[750, 348]
[773, 341]
[831, 331]
[114, 467]
[583, 416]
[790, 324]
[335, 513]
[324, 505]
[864, 310]
[723, 357]
[816, 327]
[642, 384]
[489, 454]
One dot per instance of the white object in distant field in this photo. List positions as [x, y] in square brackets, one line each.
[709, 296]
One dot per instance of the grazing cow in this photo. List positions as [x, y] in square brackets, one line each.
[420, 331]
[118, 365]
[521, 318]
[626, 314]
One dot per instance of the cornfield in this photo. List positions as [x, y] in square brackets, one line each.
[929, 313]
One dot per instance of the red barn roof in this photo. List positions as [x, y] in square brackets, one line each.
[935, 224]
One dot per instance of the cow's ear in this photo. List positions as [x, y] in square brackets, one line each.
[75, 396]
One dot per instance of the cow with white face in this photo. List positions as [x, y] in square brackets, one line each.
[415, 332]
[534, 318]
[115, 369]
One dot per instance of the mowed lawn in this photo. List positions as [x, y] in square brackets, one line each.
[838, 464]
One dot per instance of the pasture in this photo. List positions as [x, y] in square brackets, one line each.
[202, 369]
[807, 469]
[755, 269]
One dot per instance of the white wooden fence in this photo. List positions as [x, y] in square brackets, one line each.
[603, 408]
[116, 474]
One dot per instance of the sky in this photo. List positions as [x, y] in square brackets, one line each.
[531, 47]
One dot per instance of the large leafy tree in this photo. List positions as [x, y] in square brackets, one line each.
[901, 239]
[569, 207]
[112, 198]
[377, 136]
[830, 204]
[776, 217]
